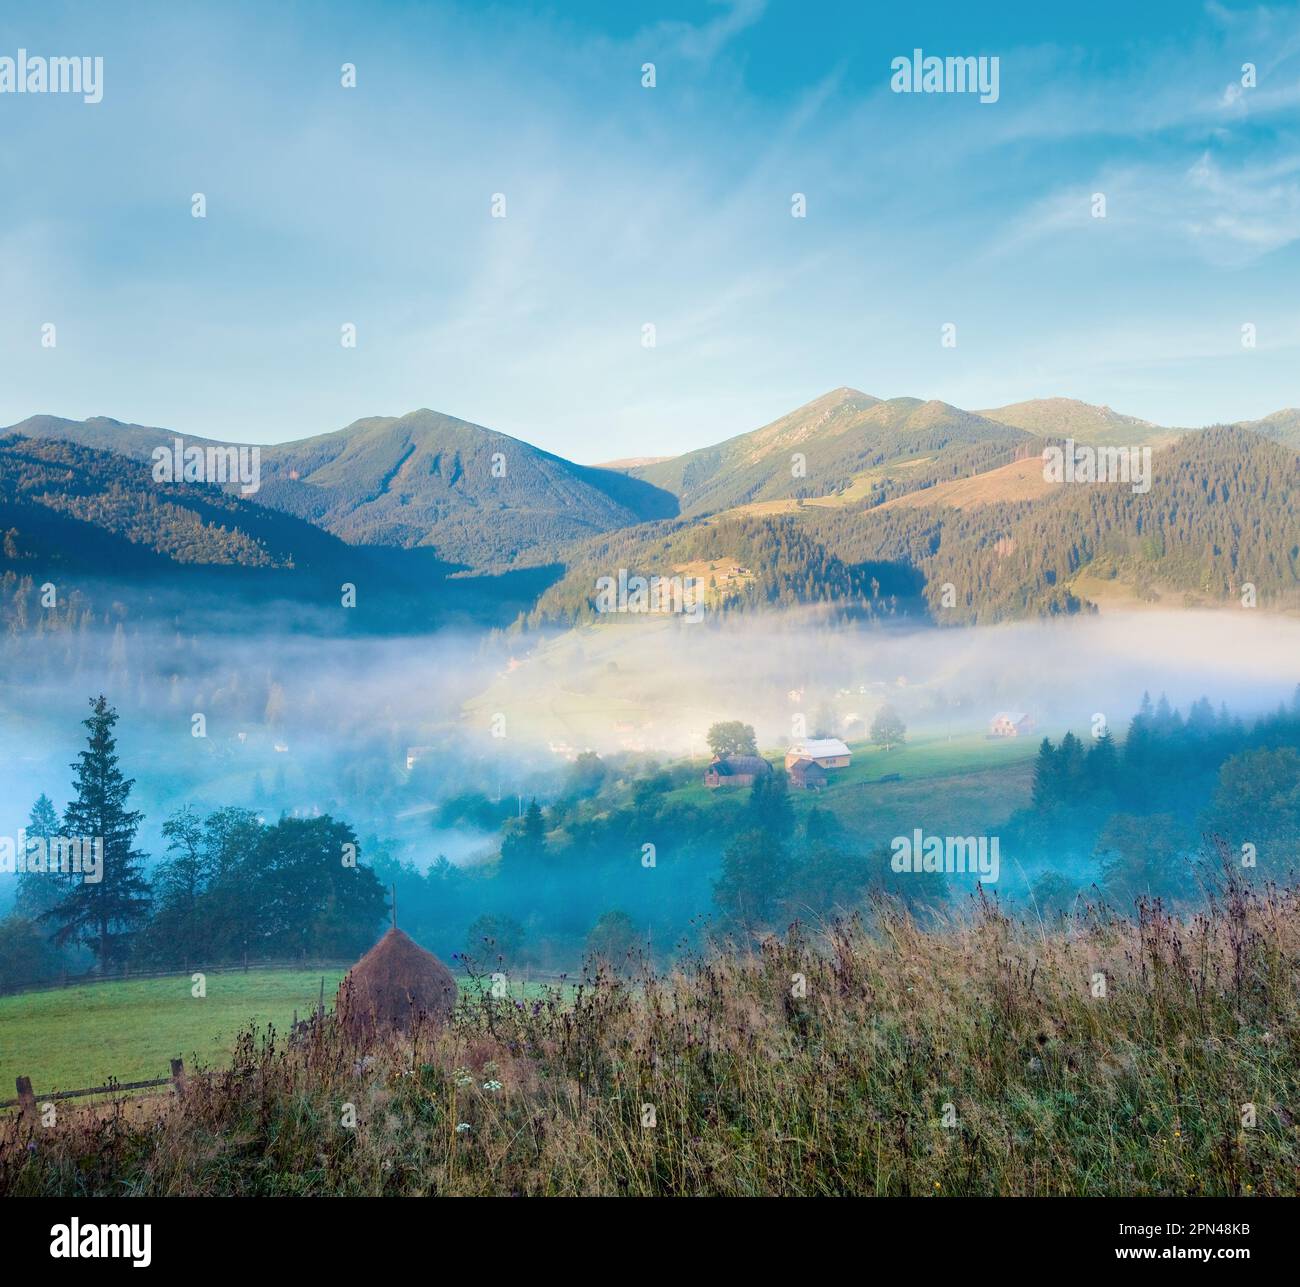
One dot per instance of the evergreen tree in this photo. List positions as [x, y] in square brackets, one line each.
[769, 807]
[40, 891]
[1102, 769]
[1070, 769]
[524, 848]
[106, 914]
[1046, 789]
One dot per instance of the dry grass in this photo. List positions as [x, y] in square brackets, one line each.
[761, 1085]
[1021, 480]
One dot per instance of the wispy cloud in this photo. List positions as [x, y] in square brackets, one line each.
[627, 205]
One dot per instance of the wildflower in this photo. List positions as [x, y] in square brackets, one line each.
[492, 1085]
[462, 1127]
[463, 1078]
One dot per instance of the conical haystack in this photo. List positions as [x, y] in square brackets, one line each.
[396, 985]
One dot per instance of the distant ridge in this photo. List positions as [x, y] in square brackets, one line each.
[479, 497]
[485, 501]
[1082, 421]
[836, 437]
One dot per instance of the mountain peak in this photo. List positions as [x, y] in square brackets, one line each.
[844, 395]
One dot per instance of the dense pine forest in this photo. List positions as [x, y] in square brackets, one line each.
[1222, 515]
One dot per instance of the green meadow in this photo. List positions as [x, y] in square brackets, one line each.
[71, 1038]
[76, 1037]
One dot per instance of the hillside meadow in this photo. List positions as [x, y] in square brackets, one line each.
[1094, 1055]
[76, 1037]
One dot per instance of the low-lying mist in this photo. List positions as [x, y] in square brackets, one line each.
[389, 732]
[352, 724]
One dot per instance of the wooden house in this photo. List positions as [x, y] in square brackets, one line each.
[735, 771]
[807, 775]
[829, 752]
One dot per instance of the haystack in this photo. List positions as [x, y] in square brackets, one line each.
[394, 987]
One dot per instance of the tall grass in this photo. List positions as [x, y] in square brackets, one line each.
[978, 1056]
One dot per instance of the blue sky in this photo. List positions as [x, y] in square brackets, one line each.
[628, 206]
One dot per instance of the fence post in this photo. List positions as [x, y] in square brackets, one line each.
[26, 1097]
[178, 1076]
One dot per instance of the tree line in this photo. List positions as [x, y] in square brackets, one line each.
[231, 886]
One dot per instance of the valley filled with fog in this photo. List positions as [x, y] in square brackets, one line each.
[384, 732]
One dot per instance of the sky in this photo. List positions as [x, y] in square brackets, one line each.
[628, 207]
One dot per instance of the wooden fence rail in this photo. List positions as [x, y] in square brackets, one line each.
[28, 1099]
[81, 980]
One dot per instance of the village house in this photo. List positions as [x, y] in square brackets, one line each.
[828, 752]
[807, 775]
[1011, 724]
[735, 771]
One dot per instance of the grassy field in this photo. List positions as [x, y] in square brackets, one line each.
[984, 780]
[72, 1038]
[973, 1058]
[859, 489]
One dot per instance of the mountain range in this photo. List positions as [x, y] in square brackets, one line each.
[480, 498]
[851, 490]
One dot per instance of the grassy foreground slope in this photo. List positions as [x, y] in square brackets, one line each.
[1097, 1056]
[71, 1038]
[76, 1037]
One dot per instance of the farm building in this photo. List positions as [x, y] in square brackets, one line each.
[395, 986]
[735, 771]
[807, 775]
[1010, 724]
[829, 752]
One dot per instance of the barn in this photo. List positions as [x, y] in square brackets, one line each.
[807, 775]
[735, 771]
[828, 752]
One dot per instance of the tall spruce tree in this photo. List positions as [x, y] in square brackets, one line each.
[1047, 776]
[106, 914]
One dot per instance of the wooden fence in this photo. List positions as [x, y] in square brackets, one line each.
[120, 976]
[28, 1099]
